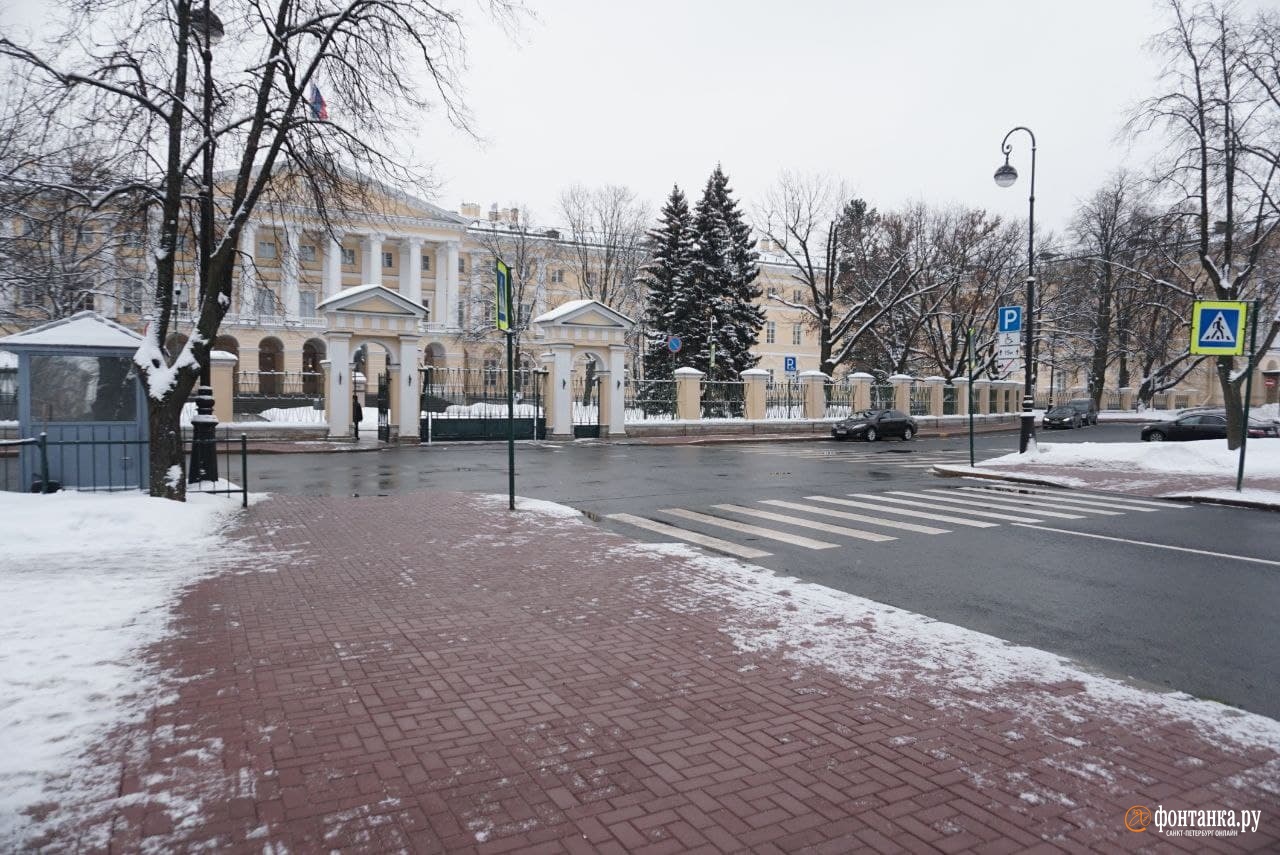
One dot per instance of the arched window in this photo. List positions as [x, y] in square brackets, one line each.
[312, 354]
[270, 366]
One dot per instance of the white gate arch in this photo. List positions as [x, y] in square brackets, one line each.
[372, 314]
[573, 329]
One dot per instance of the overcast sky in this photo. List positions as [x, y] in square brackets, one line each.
[903, 99]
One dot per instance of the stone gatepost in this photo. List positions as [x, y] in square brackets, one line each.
[982, 394]
[1127, 396]
[550, 390]
[688, 394]
[935, 385]
[902, 392]
[222, 371]
[861, 382]
[617, 412]
[755, 382]
[961, 385]
[560, 379]
[325, 367]
[604, 402]
[815, 394]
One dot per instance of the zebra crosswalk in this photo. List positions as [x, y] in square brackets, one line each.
[896, 457]
[830, 522]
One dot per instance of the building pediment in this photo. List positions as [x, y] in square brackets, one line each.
[372, 299]
[584, 313]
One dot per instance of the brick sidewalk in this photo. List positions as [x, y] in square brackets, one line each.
[432, 673]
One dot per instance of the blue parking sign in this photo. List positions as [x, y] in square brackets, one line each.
[1009, 319]
[789, 364]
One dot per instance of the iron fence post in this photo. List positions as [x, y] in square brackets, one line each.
[244, 470]
[44, 462]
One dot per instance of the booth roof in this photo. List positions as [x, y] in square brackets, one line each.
[84, 329]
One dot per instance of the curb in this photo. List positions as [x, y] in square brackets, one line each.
[948, 472]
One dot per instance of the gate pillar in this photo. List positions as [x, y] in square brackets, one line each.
[408, 413]
[340, 386]
[604, 400]
[561, 404]
[617, 411]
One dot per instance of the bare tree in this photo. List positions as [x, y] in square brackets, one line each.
[607, 243]
[252, 113]
[529, 252]
[1217, 118]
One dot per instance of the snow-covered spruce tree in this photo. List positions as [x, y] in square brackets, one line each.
[720, 303]
[386, 63]
[666, 276]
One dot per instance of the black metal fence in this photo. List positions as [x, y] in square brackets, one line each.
[839, 398]
[278, 384]
[110, 465]
[471, 404]
[650, 400]
[724, 399]
[784, 399]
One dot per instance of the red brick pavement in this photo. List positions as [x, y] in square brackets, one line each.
[426, 673]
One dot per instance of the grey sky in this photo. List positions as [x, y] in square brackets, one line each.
[904, 99]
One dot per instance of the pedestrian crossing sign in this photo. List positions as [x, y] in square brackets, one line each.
[502, 315]
[1217, 327]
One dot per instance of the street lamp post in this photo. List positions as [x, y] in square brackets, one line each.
[1005, 176]
[204, 453]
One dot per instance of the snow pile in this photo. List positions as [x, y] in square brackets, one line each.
[1201, 457]
[86, 581]
[487, 411]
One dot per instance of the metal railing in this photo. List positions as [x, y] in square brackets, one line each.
[881, 396]
[278, 384]
[724, 399]
[784, 399]
[839, 398]
[921, 399]
[470, 393]
[650, 400]
[91, 459]
[949, 398]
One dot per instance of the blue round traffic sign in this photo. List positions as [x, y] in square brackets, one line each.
[674, 344]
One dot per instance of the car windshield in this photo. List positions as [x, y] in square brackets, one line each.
[1061, 411]
[864, 415]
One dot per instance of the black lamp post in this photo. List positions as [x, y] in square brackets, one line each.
[1005, 176]
[207, 28]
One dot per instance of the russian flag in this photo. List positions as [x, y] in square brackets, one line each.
[319, 109]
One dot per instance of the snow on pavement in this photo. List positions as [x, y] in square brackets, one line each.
[87, 580]
[1200, 457]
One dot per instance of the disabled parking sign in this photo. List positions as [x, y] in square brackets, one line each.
[1217, 327]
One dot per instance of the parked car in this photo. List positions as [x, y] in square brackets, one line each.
[1062, 417]
[1085, 407]
[1203, 424]
[875, 424]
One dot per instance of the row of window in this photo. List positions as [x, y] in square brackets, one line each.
[771, 333]
[796, 294]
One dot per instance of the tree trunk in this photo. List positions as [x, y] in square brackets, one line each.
[1233, 400]
[164, 422]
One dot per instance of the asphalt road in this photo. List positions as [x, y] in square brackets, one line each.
[1128, 589]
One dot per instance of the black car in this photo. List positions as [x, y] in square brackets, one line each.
[1203, 424]
[1085, 407]
[875, 424]
[1062, 417]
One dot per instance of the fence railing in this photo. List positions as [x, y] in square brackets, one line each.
[784, 399]
[724, 399]
[110, 465]
[650, 400]
[921, 400]
[278, 384]
[949, 401]
[881, 396]
[839, 398]
[468, 393]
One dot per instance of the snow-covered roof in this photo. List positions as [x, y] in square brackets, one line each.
[83, 329]
[348, 296]
[562, 310]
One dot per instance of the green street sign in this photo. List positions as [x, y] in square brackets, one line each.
[503, 296]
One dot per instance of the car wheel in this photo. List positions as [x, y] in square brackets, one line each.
[1156, 436]
[907, 433]
[872, 436]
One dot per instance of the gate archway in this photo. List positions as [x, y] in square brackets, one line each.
[576, 329]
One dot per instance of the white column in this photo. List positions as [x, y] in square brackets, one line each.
[338, 394]
[562, 379]
[617, 404]
[371, 260]
[440, 309]
[409, 391]
[289, 272]
[411, 269]
[451, 279]
[332, 265]
[248, 271]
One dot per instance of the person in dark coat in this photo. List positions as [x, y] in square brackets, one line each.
[357, 413]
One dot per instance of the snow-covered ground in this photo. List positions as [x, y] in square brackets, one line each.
[87, 580]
